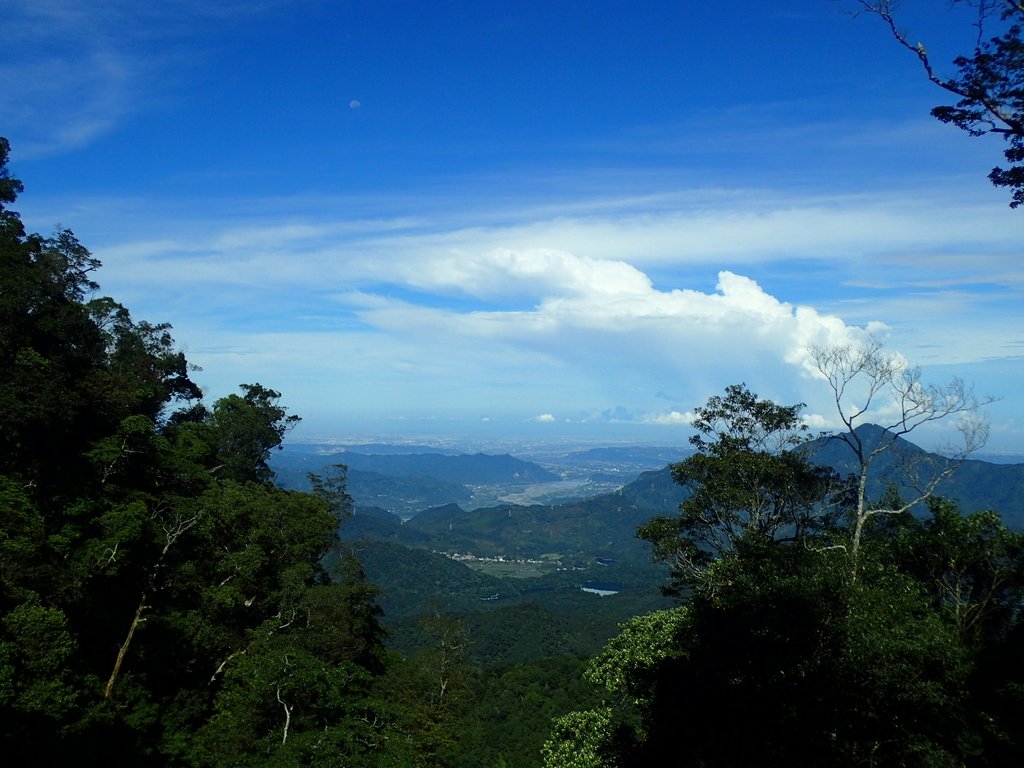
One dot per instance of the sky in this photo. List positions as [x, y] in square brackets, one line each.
[547, 221]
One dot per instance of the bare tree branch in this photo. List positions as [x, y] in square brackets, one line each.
[860, 375]
[987, 82]
[287, 715]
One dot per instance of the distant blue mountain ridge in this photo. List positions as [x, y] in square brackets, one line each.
[975, 485]
[603, 525]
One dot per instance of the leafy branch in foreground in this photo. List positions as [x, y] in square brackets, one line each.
[989, 82]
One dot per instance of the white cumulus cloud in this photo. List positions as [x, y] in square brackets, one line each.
[673, 417]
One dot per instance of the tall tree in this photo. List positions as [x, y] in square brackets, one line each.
[247, 428]
[750, 484]
[154, 583]
[868, 382]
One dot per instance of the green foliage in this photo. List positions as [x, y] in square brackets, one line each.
[578, 531]
[246, 429]
[749, 484]
[513, 709]
[989, 82]
[161, 602]
[643, 643]
[580, 740]
[332, 487]
[991, 86]
[780, 657]
[973, 564]
[22, 533]
[9, 186]
[297, 695]
[788, 663]
[34, 654]
[741, 422]
[432, 690]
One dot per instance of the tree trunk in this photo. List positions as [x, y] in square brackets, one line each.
[108, 692]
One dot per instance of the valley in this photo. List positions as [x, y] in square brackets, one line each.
[475, 535]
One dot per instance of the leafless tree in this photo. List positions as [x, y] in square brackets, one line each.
[867, 381]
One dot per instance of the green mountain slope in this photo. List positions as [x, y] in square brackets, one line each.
[599, 527]
[975, 485]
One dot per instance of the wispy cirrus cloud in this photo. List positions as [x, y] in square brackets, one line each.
[68, 78]
[917, 239]
[887, 259]
[73, 70]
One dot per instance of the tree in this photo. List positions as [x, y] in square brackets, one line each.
[513, 709]
[247, 429]
[970, 570]
[787, 663]
[867, 381]
[581, 739]
[750, 484]
[972, 565]
[430, 691]
[72, 368]
[989, 83]
[156, 589]
[301, 693]
[778, 657]
[9, 187]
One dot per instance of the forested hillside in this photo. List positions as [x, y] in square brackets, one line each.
[162, 602]
[975, 485]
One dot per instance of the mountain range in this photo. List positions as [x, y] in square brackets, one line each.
[418, 500]
[502, 564]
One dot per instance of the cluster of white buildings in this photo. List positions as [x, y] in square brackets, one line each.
[469, 557]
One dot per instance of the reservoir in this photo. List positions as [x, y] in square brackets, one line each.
[602, 588]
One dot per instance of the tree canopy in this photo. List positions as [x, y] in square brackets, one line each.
[780, 655]
[750, 484]
[161, 601]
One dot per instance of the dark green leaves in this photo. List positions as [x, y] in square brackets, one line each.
[749, 485]
[154, 584]
[991, 84]
[741, 421]
[9, 187]
[989, 81]
[246, 429]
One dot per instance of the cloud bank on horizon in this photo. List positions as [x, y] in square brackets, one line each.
[403, 222]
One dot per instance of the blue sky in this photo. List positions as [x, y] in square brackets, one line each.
[545, 220]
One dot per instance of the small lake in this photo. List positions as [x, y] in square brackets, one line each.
[602, 588]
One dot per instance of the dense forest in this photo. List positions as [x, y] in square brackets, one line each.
[163, 602]
[817, 625]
